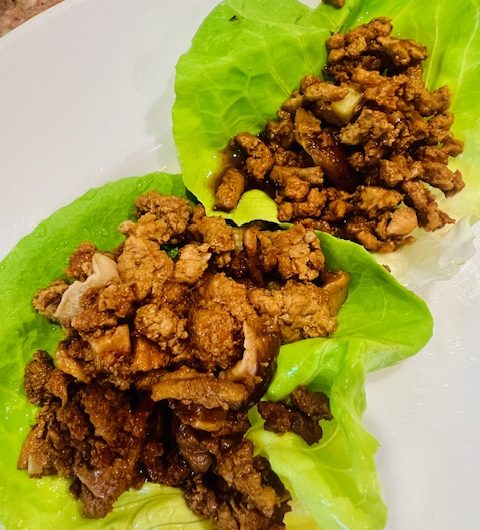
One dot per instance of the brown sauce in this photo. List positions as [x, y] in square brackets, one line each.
[234, 156]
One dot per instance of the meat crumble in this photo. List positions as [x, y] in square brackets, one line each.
[359, 152]
[163, 357]
[300, 416]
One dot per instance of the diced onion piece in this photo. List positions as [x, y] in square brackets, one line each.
[346, 107]
[104, 271]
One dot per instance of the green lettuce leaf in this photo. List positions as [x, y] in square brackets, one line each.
[247, 57]
[334, 483]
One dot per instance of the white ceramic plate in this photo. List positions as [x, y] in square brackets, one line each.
[85, 96]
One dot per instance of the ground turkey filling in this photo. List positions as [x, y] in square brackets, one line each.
[359, 154]
[169, 340]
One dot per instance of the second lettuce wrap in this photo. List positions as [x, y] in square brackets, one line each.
[248, 56]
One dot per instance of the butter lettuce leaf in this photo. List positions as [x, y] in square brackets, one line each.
[333, 483]
[247, 57]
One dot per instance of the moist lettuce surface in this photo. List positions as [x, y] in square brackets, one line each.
[247, 57]
[334, 483]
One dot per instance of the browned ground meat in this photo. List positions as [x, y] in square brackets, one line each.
[163, 357]
[95, 436]
[301, 416]
[355, 154]
[281, 419]
[37, 375]
[298, 309]
[239, 474]
[80, 262]
[230, 190]
[47, 300]
[315, 404]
